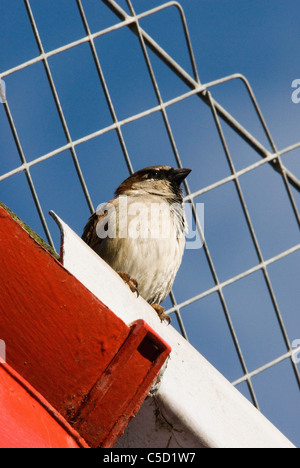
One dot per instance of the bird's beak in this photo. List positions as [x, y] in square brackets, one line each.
[178, 175]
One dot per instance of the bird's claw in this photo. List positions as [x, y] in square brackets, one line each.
[161, 313]
[132, 283]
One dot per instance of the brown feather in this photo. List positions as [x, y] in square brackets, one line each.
[89, 233]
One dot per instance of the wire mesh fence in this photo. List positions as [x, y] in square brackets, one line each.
[109, 100]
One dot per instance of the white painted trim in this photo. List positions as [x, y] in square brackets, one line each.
[193, 405]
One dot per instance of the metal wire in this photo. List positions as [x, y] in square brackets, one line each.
[58, 105]
[203, 92]
[217, 111]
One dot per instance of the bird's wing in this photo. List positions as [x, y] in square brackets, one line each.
[90, 233]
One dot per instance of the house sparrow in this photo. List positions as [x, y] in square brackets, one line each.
[140, 233]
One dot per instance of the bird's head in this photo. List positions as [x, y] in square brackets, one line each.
[163, 181]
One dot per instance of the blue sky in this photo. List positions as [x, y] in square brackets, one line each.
[258, 39]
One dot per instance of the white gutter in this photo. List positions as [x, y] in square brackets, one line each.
[192, 405]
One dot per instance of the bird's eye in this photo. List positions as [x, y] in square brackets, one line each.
[153, 174]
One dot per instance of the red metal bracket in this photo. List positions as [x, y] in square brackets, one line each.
[85, 361]
[121, 389]
[26, 418]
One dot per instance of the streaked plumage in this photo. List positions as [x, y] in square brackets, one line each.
[141, 230]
